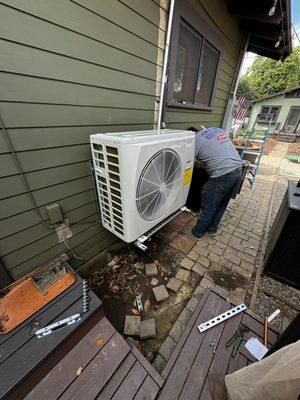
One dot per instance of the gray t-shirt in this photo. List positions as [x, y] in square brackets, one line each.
[214, 148]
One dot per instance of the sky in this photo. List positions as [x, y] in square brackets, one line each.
[295, 11]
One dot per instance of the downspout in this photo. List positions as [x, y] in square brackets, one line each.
[165, 65]
[228, 113]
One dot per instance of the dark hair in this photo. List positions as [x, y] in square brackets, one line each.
[192, 129]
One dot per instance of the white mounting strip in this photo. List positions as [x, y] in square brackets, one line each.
[222, 317]
[57, 325]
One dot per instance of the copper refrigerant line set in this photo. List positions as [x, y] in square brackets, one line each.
[47, 330]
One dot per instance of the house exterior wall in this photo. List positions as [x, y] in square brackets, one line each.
[278, 101]
[70, 69]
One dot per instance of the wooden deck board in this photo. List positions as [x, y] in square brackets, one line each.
[131, 383]
[117, 372]
[93, 378]
[13, 340]
[201, 365]
[148, 390]
[43, 316]
[184, 336]
[32, 353]
[114, 383]
[64, 373]
[112, 372]
[25, 359]
[193, 359]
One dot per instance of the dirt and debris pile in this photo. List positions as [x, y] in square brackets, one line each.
[126, 283]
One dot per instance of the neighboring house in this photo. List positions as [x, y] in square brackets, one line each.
[71, 68]
[284, 107]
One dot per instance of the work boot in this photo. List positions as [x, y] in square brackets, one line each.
[217, 386]
[189, 232]
[212, 233]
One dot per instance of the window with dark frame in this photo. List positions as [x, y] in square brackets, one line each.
[264, 115]
[196, 68]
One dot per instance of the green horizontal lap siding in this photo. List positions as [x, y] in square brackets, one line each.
[88, 242]
[226, 26]
[87, 22]
[68, 69]
[18, 223]
[35, 138]
[276, 101]
[18, 204]
[43, 178]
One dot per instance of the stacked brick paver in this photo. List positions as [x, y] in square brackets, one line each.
[234, 250]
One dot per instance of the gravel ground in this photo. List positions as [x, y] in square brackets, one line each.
[279, 296]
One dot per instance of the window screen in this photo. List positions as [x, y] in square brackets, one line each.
[186, 65]
[206, 76]
[195, 69]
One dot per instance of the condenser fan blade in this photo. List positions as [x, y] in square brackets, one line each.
[158, 184]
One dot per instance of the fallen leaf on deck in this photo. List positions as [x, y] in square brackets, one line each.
[78, 372]
[99, 342]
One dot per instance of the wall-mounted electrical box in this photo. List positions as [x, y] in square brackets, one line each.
[54, 213]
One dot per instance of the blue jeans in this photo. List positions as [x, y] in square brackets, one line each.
[215, 196]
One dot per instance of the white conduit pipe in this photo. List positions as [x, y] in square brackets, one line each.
[165, 65]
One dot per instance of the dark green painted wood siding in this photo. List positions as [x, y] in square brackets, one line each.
[69, 69]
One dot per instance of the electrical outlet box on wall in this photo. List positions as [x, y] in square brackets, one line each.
[54, 213]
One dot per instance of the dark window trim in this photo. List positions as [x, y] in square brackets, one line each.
[184, 12]
[269, 106]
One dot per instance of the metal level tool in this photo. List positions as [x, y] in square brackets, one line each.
[57, 325]
[222, 317]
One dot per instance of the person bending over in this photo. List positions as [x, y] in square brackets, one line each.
[223, 164]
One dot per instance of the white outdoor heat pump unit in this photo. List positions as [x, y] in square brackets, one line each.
[142, 178]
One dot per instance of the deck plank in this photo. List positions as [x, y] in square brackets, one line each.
[64, 373]
[148, 367]
[258, 328]
[22, 364]
[131, 383]
[193, 359]
[20, 335]
[184, 336]
[201, 365]
[222, 357]
[38, 315]
[94, 377]
[185, 359]
[114, 383]
[236, 363]
[148, 390]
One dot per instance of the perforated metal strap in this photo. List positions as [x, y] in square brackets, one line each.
[222, 317]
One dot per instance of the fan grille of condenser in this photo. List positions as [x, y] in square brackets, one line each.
[158, 185]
